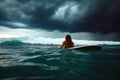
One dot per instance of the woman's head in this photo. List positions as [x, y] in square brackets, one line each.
[68, 38]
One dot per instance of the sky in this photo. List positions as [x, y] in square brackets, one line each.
[83, 19]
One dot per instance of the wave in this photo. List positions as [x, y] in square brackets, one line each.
[12, 42]
[52, 41]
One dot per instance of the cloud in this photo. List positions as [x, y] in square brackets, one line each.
[67, 12]
[9, 32]
[64, 15]
[27, 9]
[73, 10]
[19, 32]
[17, 24]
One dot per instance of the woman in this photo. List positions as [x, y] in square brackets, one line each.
[67, 43]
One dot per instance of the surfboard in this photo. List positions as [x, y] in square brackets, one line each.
[90, 47]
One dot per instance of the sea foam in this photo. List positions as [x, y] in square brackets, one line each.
[56, 41]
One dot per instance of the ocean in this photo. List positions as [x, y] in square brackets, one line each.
[22, 59]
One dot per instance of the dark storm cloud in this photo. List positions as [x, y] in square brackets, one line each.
[64, 15]
[2, 15]
[105, 18]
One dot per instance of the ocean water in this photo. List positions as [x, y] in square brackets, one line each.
[21, 61]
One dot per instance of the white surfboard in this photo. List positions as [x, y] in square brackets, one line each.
[90, 47]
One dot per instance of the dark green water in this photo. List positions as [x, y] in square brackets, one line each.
[44, 62]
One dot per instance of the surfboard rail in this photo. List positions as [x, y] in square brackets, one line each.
[88, 47]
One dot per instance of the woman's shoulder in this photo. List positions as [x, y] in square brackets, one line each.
[64, 41]
[72, 42]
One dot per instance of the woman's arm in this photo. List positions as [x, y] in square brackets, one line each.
[62, 46]
[73, 44]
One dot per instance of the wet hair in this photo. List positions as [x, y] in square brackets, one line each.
[68, 38]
